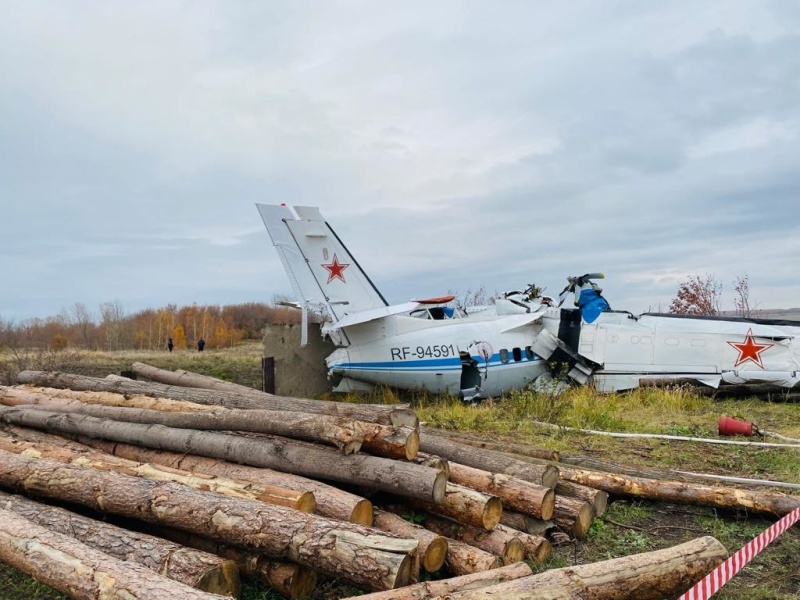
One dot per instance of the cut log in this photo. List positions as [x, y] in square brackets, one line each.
[685, 493]
[331, 502]
[434, 462]
[195, 568]
[597, 498]
[536, 547]
[373, 413]
[345, 434]
[573, 517]
[80, 571]
[511, 447]
[488, 460]
[465, 505]
[189, 379]
[432, 547]
[495, 541]
[550, 592]
[462, 559]
[371, 472]
[65, 452]
[442, 587]
[649, 576]
[290, 580]
[526, 523]
[392, 442]
[515, 494]
[361, 555]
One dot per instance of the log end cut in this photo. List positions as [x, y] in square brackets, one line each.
[412, 444]
[223, 580]
[492, 512]
[363, 513]
[440, 487]
[435, 555]
[548, 505]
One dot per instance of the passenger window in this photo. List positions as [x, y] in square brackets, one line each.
[517, 353]
[503, 356]
[528, 353]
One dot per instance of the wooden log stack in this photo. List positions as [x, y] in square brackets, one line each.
[266, 483]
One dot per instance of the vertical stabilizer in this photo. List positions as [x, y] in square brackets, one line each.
[324, 275]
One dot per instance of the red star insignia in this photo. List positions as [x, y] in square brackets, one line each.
[749, 350]
[336, 269]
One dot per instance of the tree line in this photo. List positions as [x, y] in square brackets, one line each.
[110, 328]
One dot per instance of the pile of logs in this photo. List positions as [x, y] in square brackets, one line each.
[199, 482]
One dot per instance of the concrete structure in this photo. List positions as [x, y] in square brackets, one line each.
[299, 372]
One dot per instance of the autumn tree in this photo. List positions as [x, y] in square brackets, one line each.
[179, 337]
[697, 295]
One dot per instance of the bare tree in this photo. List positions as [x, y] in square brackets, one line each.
[84, 321]
[112, 315]
[697, 295]
[741, 302]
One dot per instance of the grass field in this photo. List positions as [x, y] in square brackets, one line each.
[629, 526]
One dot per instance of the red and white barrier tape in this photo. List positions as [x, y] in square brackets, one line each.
[709, 586]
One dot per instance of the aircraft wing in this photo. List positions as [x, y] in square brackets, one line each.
[519, 321]
[373, 314]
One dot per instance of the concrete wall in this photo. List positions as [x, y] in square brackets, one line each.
[299, 371]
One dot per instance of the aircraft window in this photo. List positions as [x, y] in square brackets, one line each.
[517, 353]
[503, 356]
[528, 353]
[420, 313]
[437, 312]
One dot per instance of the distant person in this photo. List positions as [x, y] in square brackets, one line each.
[201, 343]
[170, 345]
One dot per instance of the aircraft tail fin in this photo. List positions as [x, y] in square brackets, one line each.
[324, 275]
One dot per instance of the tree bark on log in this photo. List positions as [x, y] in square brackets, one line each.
[80, 571]
[21, 395]
[189, 379]
[195, 568]
[401, 478]
[550, 592]
[442, 587]
[432, 547]
[573, 516]
[649, 576]
[685, 493]
[465, 505]
[373, 413]
[401, 443]
[345, 434]
[434, 462]
[361, 555]
[65, 452]
[597, 498]
[516, 494]
[488, 460]
[497, 542]
[511, 447]
[463, 559]
[536, 547]
[289, 579]
[331, 501]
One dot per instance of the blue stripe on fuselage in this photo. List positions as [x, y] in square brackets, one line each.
[439, 364]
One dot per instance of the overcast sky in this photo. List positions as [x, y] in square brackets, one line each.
[452, 145]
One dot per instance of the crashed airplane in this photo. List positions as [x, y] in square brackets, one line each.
[520, 339]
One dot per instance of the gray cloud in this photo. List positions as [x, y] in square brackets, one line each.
[451, 145]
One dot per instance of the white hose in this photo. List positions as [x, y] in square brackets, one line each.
[655, 436]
